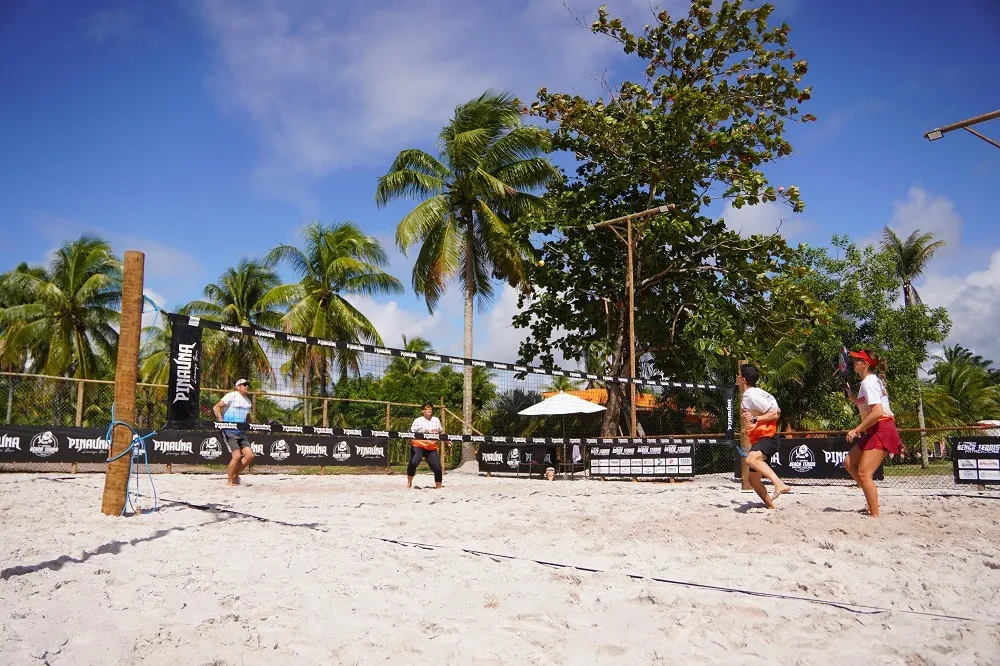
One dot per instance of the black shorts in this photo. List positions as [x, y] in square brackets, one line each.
[234, 440]
[766, 445]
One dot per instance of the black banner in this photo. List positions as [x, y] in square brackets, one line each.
[188, 447]
[819, 458]
[274, 427]
[185, 364]
[436, 358]
[521, 459]
[58, 445]
[643, 460]
[976, 460]
[730, 396]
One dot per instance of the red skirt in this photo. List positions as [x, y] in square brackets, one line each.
[883, 435]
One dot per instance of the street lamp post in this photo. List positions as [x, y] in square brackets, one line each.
[627, 219]
[939, 132]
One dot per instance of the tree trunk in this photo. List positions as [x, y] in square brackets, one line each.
[924, 459]
[613, 414]
[470, 296]
[908, 301]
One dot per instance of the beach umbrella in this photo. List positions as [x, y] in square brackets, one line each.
[562, 404]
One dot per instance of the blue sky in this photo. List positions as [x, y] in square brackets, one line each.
[203, 131]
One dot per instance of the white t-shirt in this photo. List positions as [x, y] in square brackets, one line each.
[872, 392]
[757, 401]
[431, 426]
[237, 407]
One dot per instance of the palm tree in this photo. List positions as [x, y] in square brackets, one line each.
[910, 258]
[238, 299]
[65, 317]
[966, 379]
[481, 182]
[338, 261]
[561, 383]
[154, 364]
[412, 366]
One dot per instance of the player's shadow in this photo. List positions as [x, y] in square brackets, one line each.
[110, 548]
[746, 506]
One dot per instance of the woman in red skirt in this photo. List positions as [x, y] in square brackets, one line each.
[876, 435]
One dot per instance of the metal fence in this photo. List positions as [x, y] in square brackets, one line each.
[43, 400]
[905, 470]
[27, 399]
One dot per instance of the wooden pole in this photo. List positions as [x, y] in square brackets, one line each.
[126, 374]
[444, 455]
[744, 440]
[326, 413]
[79, 403]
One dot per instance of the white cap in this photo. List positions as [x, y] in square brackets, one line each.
[242, 381]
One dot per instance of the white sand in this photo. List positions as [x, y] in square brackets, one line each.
[314, 581]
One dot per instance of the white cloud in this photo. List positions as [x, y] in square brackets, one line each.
[766, 218]
[333, 85]
[972, 297]
[170, 270]
[149, 314]
[930, 213]
[973, 304]
[111, 23]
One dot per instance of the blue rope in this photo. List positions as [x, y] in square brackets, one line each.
[152, 327]
[140, 440]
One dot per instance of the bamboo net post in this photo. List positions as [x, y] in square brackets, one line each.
[126, 374]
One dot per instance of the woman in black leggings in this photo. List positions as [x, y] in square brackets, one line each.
[429, 424]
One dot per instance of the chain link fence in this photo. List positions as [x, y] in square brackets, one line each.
[906, 470]
[39, 400]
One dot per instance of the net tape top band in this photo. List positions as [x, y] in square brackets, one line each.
[423, 356]
[405, 434]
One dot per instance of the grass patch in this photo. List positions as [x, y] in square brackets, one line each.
[934, 468]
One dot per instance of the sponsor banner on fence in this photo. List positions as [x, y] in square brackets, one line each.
[189, 447]
[515, 459]
[809, 458]
[642, 460]
[40, 444]
[183, 388]
[976, 460]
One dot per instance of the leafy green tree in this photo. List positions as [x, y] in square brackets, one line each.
[14, 357]
[709, 113]
[482, 181]
[63, 320]
[561, 383]
[239, 298]
[910, 259]
[412, 366]
[337, 261]
[860, 288]
[965, 378]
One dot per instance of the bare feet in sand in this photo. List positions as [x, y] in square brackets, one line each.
[780, 490]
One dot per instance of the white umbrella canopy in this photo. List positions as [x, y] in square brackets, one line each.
[561, 403]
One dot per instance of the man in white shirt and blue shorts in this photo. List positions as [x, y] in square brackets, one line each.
[235, 408]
